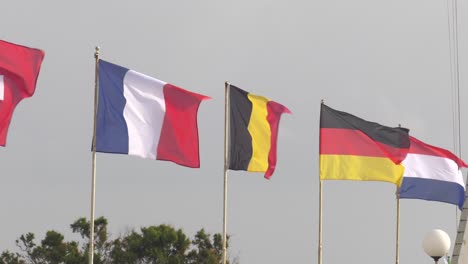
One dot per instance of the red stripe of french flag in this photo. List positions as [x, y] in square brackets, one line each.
[161, 120]
[178, 141]
[19, 70]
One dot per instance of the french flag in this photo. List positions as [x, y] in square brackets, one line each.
[19, 71]
[142, 116]
[433, 174]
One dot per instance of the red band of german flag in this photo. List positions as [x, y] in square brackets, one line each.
[253, 133]
[355, 149]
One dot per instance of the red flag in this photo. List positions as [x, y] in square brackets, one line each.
[19, 69]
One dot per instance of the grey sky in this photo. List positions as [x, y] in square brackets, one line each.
[385, 61]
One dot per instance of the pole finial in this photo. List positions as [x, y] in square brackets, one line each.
[96, 53]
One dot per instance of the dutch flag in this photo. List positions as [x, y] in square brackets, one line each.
[432, 174]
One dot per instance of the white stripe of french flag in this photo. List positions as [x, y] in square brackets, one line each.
[143, 116]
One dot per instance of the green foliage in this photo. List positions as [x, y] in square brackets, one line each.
[154, 244]
[101, 244]
[8, 257]
[205, 251]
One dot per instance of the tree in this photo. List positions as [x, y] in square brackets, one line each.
[53, 249]
[206, 251]
[154, 244]
[11, 258]
[102, 246]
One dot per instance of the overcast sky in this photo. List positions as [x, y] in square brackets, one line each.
[385, 61]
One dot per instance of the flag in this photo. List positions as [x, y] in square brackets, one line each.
[19, 70]
[253, 131]
[433, 174]
[355, 149]
[142, 116]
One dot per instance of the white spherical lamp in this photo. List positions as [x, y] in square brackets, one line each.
[436, 244]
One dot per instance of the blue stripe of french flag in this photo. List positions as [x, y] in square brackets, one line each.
[143, 116]
[432, 174]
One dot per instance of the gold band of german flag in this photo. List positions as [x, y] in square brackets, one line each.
[253, 132]
[355, 149]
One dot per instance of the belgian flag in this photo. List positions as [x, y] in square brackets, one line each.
[355, 149]
[253, 131]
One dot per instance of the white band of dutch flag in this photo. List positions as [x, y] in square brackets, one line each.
[433, 174]
[2, 88]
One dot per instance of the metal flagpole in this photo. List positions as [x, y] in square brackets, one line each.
[397, 256]
[226, 167]
[93, 181]
[458, 255]
[320, 224]
[320, 210]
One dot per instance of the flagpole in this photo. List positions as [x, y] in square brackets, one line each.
[226, 167]
[320, 224]
[320, 209]
[397, 238]
[93, 181]
[397, 255]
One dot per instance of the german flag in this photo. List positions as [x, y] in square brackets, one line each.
[254, 122]
[355, 149]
